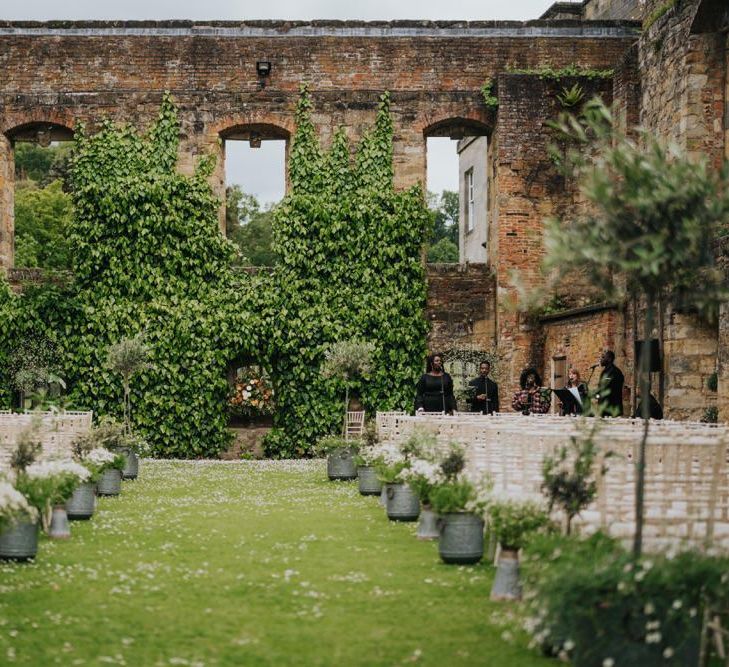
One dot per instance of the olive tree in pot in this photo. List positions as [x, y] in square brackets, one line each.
[570, 474]
[129, 357]
[512, 522]
[347, 362]
[460, 500]
[649, 236]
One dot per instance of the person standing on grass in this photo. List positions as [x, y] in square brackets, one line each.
[485, 391]
[434, 392]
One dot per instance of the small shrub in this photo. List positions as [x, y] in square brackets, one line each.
[514, 521]
[712, 382]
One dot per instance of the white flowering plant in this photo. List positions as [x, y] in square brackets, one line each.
[329, 444]
[422, 476]
[389, 461]
[14, 507]
[99, 460]
[48, 483]
[593, 603]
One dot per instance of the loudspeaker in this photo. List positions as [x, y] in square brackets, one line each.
[655, 355]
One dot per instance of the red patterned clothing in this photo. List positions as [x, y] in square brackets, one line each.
[537, 400]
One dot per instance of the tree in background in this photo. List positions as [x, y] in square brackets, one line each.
[649, 234]
[249, 227]
[42, 165]
[443, 246]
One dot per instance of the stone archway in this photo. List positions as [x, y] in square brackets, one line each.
[41, 132]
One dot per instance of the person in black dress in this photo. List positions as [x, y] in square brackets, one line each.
[612, 381]
[485, 391]
[434, 392]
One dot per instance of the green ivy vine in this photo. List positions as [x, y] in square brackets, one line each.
[350, 248]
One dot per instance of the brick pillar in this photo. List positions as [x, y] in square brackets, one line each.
[723, 364]
[7, 204]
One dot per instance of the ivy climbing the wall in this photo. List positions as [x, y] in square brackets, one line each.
[350, 267]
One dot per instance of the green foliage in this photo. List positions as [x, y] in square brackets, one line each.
[593, 601]
[570, 478]
[42, 165]
[712, 382]
[42, 223]
[330, 444]
[456, 495]
[514, 521]
[443, 252]
[249, 228]
[127, 358]
[571, 97]
[349, 248]
[659, 11]
[550, 73]
[711, 415]
[489, 99]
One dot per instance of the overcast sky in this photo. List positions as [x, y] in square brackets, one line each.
[260, 171]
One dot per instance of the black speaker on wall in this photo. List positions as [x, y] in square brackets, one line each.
[655, 354]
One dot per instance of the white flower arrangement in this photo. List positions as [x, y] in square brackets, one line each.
[100, 456]
[57, 468]
[14, 506]
[420, 468]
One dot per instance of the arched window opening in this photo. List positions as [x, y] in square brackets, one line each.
[456, 155]
[255, 181]
[42, 205]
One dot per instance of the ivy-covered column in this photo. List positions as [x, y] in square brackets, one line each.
[7, 204]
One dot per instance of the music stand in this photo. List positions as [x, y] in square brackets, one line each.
[568, 400]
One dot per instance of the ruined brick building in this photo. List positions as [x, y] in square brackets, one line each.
[669, 73]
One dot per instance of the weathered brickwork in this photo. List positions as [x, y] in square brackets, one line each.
[613, 9]
[72, 72]
[461, 306]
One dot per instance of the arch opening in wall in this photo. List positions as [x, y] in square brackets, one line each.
[255, 162]
[456, 177]
[37, 209]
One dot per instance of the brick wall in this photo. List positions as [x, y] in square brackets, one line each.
[461, 306]
[68, 72]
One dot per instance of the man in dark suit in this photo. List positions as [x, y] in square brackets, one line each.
[610, 396]
[485, 391]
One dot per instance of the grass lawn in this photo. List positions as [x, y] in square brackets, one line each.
[249, 563]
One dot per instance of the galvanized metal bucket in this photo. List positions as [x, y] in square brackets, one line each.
[82, 503]
[341, 465]
[369, 485]
[428, 525]
[131, 467]
[59, 528]
[402, 503]
[506, 582]
[19, 542]
[110, 483]
[461, 538]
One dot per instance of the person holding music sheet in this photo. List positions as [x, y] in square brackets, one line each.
[532, 397]
[610, 396]
[434, 392]
[579, 393]
[484, 391]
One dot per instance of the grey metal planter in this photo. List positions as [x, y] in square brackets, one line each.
[19, 542]
[59, 529]
[428, 525]
[506, 583]
[369, 485]
[402, 503]
[110, 483]
[82, 503]
[341, 465]
[131, 467]
[461, 538]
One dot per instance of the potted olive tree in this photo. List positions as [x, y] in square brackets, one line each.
[460, 500]
[512, 521]
[129, 357]
[347, 362]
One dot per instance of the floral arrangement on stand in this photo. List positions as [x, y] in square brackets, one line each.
[251, 396]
